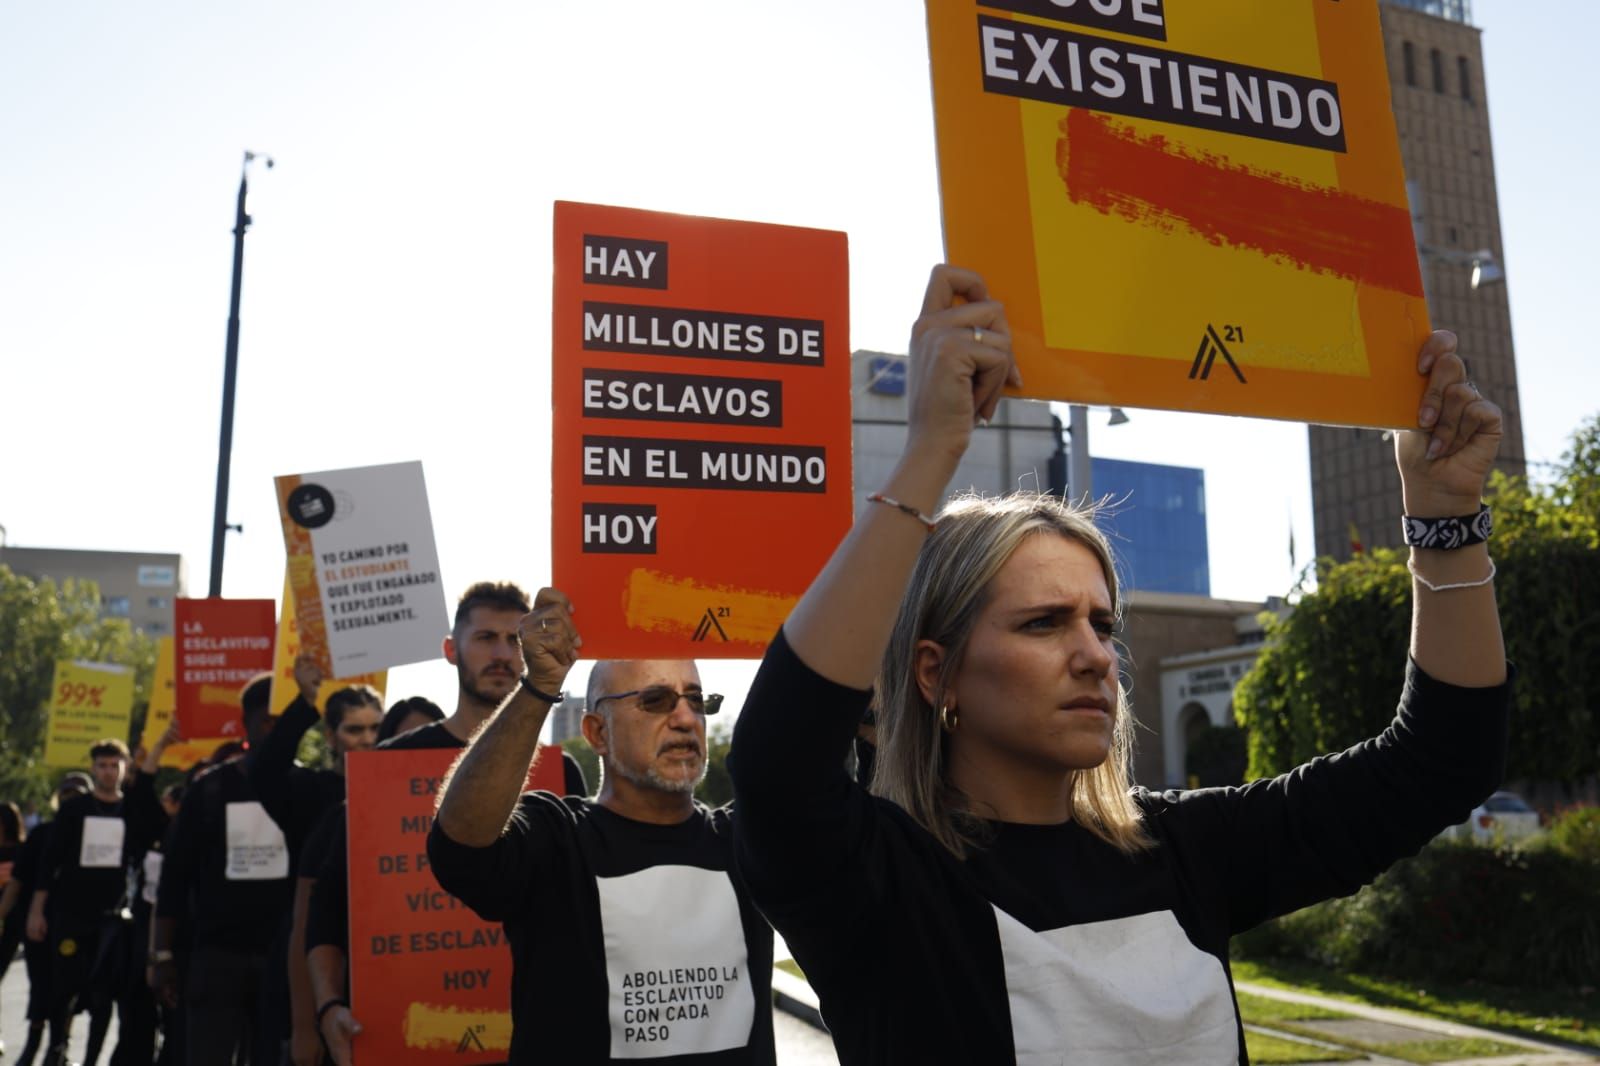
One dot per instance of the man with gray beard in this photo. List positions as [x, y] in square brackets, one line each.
[631, 933]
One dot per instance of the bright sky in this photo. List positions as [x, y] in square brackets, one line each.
[397, 276]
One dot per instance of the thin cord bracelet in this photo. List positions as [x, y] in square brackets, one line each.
[878, 497]
[1431, 587]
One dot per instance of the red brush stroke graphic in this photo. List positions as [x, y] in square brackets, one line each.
[1152, 181]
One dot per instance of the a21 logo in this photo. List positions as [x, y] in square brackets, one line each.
[1211, 346]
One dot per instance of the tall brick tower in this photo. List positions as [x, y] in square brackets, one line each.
[1441, 108]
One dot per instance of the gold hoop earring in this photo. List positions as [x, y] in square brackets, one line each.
[949, 720]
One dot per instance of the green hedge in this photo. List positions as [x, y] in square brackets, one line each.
[1510, 916]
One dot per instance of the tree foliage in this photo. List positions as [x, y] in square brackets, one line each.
[1331, 672]
[42, 623]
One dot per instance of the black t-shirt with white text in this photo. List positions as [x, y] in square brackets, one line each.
[89, 850]
[629, 940]
[1047, 944]
[225, 871]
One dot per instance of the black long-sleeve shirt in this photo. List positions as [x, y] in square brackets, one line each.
[294, 796]
[90, 849]
[1049, 944]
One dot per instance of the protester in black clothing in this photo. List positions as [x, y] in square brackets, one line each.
[482, 645]
[413, 712]
[604, 901]
[12, 835]
[297, 798]
[1003, 896]
[80, 903]
[15, 903]
[224, 892]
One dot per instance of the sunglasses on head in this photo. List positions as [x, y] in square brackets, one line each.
[661, 699]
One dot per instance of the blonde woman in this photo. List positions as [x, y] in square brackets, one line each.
[1005, 895]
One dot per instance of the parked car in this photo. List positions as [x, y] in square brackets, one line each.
[1504, 816]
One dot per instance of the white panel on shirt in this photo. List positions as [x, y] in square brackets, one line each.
[676, 963]
[257, 850]
[152, 876]
[1126, 992]
[101, 847]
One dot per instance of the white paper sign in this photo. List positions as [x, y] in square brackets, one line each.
[366, 536]
[101, 847]
[676, 962]
[257, 850]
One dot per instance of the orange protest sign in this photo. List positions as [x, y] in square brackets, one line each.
[429, 980]
[700, 386]
[1187, 204]
[163, 704]
[286, 648]
[221, 645]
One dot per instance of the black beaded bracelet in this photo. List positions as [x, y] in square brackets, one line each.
[326, 1007]
[547, 697]
[1447, 533]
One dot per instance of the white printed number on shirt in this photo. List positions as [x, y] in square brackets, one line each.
[1127, 992]
[676, 962]
[256, 848]
[102, 842]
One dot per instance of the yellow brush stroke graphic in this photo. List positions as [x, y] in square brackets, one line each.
[665, 603]
[428, 1027]
[219, 695]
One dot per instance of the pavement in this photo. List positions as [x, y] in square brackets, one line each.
[802, 1041]
[1373, 1025]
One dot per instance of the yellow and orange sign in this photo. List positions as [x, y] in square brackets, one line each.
[89, 702]
[701, 394]
[286, 648]
[1186, 204]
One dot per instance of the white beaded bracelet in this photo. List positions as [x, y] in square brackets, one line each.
[904, 508]
[1431, 587]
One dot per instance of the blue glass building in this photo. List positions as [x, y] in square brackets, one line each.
[1156, 519]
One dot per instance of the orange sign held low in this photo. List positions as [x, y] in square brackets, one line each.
[429, 980]
[1186, 204]
[701, 431]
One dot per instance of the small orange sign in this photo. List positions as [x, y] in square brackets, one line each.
[1187, 204]
[430, 981]
[701, 394]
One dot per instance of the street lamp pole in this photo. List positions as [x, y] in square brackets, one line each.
[230, 373]
[1080, 482]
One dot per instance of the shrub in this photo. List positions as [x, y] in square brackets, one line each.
[1576, 834]
[1511, 916]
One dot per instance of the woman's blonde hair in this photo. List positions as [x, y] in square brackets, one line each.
[948, 590]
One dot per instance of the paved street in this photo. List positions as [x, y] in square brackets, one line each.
[14, 1023]
[799, 1044]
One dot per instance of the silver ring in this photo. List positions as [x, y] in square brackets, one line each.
[544, 624]
[977, 335]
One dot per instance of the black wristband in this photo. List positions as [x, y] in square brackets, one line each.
[1447, 533]
[326, 1007]
[545, 696]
